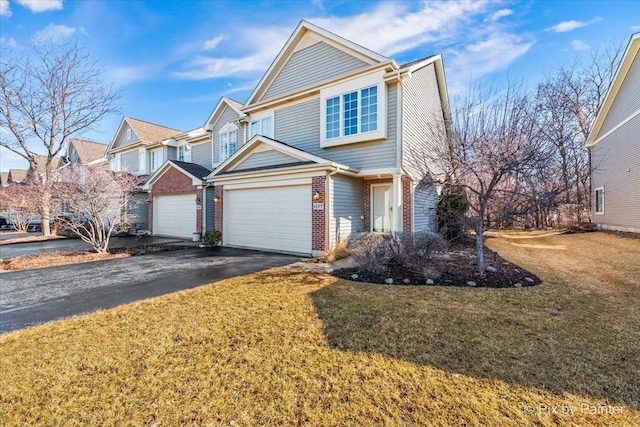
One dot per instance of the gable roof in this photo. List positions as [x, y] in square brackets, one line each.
[147, 132]
[196, 172]
[88, 151]
[4, 178]
[625, 64]
[304, 157]
[287, 50]
[41, 162]
[219, 108]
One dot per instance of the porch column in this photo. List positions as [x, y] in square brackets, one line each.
[396, 203]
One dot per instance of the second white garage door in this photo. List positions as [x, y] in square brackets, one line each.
[273, 218]
[175, 215]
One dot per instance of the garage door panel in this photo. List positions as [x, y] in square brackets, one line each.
[277, 218]
[174, 215]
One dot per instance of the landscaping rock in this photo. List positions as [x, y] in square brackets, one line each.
[389, 281]
[430, 282]
[517, 285]
[515, 270]
[492, 269]
[354, 276]
[406, 281]
[472, 283]
[529, 279]
[328, 271]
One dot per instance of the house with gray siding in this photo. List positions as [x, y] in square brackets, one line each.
[324, 147]
[614, 147]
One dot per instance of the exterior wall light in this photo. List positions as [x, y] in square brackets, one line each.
[316, 195]
[216, 199]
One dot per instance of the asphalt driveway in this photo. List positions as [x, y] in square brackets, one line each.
[37, 296]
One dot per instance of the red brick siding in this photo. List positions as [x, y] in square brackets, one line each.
[406, 203]
[367, 199]
[318, 218]
[217, 191]
[173, 182]
[199, 195]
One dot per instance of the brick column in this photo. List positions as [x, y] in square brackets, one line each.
[406, 203]
[318, 217]
[150, 211]
[217, 191]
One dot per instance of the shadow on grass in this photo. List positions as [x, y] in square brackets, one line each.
[547, 337]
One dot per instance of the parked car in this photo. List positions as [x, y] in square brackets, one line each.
[4, 220]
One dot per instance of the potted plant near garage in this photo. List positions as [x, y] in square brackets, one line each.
[212, 238]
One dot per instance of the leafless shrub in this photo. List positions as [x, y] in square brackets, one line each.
[369, 252]
[415, 251]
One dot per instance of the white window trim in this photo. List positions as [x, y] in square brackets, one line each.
[185, 147]
[142, 161]
[129, 134]
[261, 116]
[357, 84]
[161, 160]
[595, 202]
[227, 129]
[384, 184]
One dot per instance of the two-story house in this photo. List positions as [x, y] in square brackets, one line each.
[325, 147]
[140, 148]
[86, 153]
[614, 146]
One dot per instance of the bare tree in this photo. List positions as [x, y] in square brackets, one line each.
[95, 200]
[494, 141]
[21, 204]
[50, 93]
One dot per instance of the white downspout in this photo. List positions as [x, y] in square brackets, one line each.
[396, 203]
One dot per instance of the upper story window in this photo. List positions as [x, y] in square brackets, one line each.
[262, 127]
[114, 163]
[129, 134]
[228, 141]
[156, 159]
[353, 111]
[184, 153]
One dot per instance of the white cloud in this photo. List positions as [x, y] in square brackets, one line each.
[55, 33]
[500, 14]
[635, 28]
[389, 28]
[482, 58]
[8, 41]
[125, 75]
[566, 26]
[37, 6]
[214, 42]
[4, 8]
[579, 45]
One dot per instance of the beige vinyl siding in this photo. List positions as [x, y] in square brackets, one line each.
[423, 122]
[201, 155]
[299, 125]
[616, 163]
[347, 208]
[312, 65]
[229, 115]
[627, 100]
[138, 211]
[425, 203]
[263, 159]
[129, 161]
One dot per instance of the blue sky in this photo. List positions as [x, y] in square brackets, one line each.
[175, 59]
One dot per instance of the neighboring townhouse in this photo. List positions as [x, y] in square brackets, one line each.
[86, 153]
[332, 132]
[614, 146]
[16, 176]
[4, 179]
[140, 148]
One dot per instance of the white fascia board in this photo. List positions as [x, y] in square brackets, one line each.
[224, 101]
[269, 174]
[165, 167]
[625, 64]
[373, 173]
[118, 132]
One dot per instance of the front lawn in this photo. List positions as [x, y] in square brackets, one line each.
[290, 348]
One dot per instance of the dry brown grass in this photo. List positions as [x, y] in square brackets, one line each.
[290, 348]
[340, 251]
[50, 260]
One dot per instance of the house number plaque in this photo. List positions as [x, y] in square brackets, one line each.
[318, 206]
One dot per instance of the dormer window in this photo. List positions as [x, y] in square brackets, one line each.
[184, 153]
[228, 141]
[353, 111]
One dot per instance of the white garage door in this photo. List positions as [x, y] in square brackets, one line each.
[175, 215]
[276, 218]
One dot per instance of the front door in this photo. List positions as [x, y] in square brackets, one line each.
[381, 208]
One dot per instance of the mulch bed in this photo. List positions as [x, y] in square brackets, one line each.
[454, 268]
